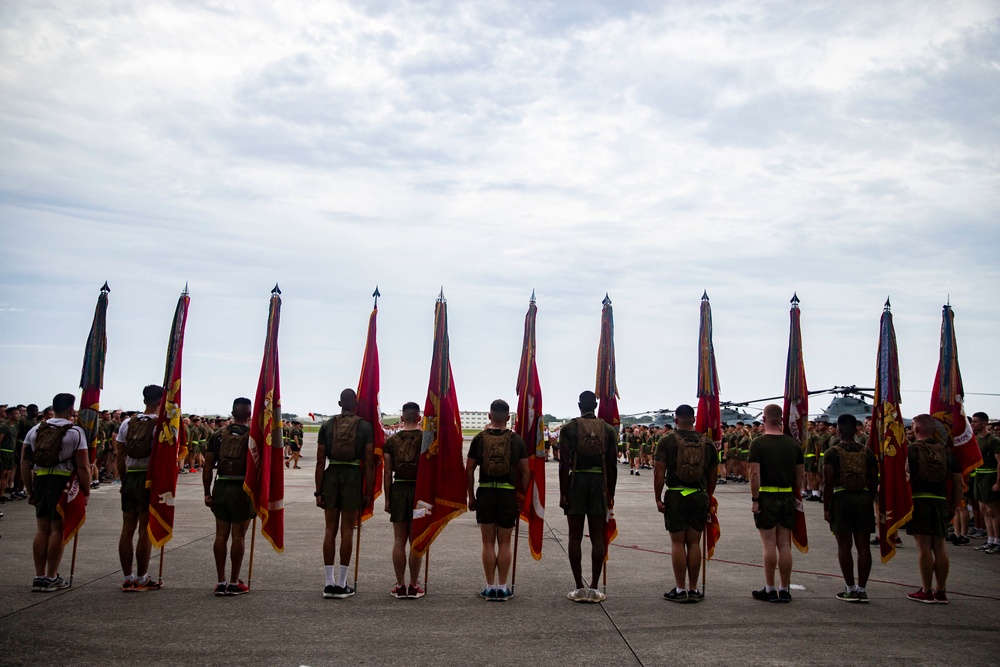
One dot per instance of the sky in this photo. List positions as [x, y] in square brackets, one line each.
[844, 151]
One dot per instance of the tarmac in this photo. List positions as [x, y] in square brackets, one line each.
[285, 620]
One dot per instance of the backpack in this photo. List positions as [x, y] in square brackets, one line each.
[853, 469]
[406, 454]
[590, 437]
[690, 458]
[233, 446]
[932, 467]
[139, 437]
[48, 445]
[344, 440]
[496, 453]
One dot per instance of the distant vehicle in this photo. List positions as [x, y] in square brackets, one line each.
[846, 401]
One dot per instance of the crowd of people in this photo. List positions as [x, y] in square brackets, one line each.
[41, 451]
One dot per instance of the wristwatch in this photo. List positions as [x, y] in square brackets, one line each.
[755, 500]
[317, 494]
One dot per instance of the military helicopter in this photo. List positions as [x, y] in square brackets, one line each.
[659, 418]
[846, 401]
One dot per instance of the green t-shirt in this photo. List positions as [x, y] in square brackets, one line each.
[777, 455]
[666, 453]
[989, 447]
[8, 436]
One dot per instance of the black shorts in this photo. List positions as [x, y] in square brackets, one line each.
[776, 509]
[135, 495]
[401, 499]
[685, 512]
[497, 506]
[342, 487]
[930, 517]
[587, 495]
[852, 512]
[47, 489]
[230, 501]
[982, 487]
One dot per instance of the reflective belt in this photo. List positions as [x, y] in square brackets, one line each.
[985, 471]
[53, 471]
[496, 485]
[838, 489]
[775, 489]
[810, 456]
[345, 463]
[928, 496]
[409, 481]
[685, 490]
[591, 470]
[230, 478]
[137, 469]
[973, 473]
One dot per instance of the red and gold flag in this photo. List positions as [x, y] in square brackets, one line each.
[795, 412]
[948, 399]
[607, 398]
[888, 440]
[368, 407]
[532, 429]
[72, 505]
[709, 416]
[265, 476]
[168, 443]
[441, 490]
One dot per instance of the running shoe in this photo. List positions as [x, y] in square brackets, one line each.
[579, 595]
[862, 597]
[329, 591]
[594, 595]
[53, 585]
[398, 591]
[220, 590]
[414, 592]
[694, 595]
[343, 592]
[784, 596]
[940, 597]
[148, 585]
[130, 585]
[983, 547]
[675, 595]
[503, 595]
[921, 595]
[38, 583]
[239, 588]
[488, 595]
[848, 596]
[764, 595]
[993, 550]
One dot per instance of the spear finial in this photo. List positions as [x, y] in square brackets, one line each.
[704, 295]
[105, 289]
[441, 298]
[887, 305]
[607, 300]
[795, 299]
[185, 292]
[276, 290]
[532, 295]
[376, 294]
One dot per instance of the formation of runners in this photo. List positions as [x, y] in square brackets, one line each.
[41, 451]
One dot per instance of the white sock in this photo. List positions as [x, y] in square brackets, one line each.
[143, 579]
[490, 587]
[768, 589]
[330, 581]
[341, 575]
[782, 588]
[502, 587]
[679, 590]
[859, 589]
[815, 493]
[129, 577]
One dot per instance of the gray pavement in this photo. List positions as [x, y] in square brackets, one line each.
[285, 621]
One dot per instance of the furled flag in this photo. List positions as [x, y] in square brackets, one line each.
[607, 398]
[888, 440]
[709, 417]
[265, 477]
[531, 428]
[948, 399]
[368, 407]
[72, 505]
[441, 492]
[795, 413]
[168, 443]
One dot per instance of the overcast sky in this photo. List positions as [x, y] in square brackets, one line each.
[846, 151]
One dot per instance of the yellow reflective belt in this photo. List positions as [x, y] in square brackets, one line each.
[230, 478]
[137, 469]
[597, 470]
[345, 463]
[838, 489]
[685, 490]
[810, 456]
[404, 480]
[496, 485]
[53, 471]
[984, 470]
[930, 496]
[775, 489]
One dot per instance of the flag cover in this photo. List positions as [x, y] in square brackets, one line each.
[441, 491]
[530, 427]
[168, 443]
[709, 416]
[795, 411]
[948, 399]
[607, 397]
[368, 409]
[888, 440]
[72, 505]
[265, 477]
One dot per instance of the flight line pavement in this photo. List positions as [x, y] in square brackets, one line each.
[285, 620]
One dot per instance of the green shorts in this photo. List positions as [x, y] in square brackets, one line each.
[135, 495]
[776, 509]
[810, 463]
[6, 460]
[983, 488]
[685, 512]
[47, 489]
[930, 517]
[401, 501]
[587, 494]
[230, 502]
[633, 453]
[497, 506]
[342, 487]
[852, 512]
